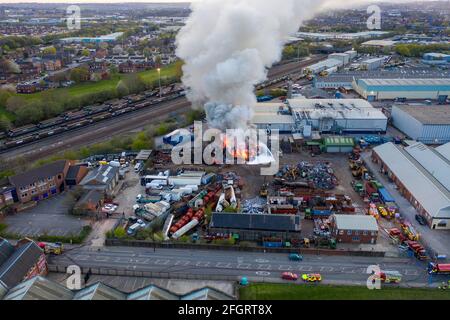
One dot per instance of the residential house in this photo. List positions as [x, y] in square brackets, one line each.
[41, 183]
[28, 87]
[103, 178]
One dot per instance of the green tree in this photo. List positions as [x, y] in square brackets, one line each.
[14, 103]
[31, 113]
[120, 233]
[85, 53]
[49, 51]
[79, 74]
[5, 123]
[122, 89]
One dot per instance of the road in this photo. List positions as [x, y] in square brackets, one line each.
[256, 266]
[103, 130]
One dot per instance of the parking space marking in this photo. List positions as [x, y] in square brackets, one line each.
[224, 265]
[182, 263]
[243, 266]
[285, 267]
[347, 270]
[326, 269]
[409, 272]
[264, 266]
[305, 268]
[162, 261]
[202, 264]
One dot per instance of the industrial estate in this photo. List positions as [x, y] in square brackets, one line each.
[353, 120]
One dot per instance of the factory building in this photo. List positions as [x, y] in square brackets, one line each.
[427, 124]
[444, 150]
[323, 115]
[372, 64]
[436, 58]
[328, 64]
[391, 89]
[351, 228]
[421, 176]
[106, 38]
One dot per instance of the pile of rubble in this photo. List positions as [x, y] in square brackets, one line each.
[319, 175]
[254, 206]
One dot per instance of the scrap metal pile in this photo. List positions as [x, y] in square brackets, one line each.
[319, 175]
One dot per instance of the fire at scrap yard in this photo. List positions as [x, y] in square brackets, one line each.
[222, 150]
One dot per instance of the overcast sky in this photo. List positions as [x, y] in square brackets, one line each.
[144, 1]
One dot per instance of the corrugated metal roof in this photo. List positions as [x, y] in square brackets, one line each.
[6, 250]
[432, 161]
[355, 222]
[276, 222]
[433, 198]
[427, 114]
[444, 150]
[39, 288]
[405, 82]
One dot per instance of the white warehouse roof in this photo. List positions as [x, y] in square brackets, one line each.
[444, 150]
[336, 108]
[433, 197]
[355, 222]
[432, 161]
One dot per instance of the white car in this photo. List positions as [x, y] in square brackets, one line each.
[141, 223]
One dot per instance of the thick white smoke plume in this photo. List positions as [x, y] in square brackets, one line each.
[228, 45]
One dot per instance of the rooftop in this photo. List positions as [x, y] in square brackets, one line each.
[444, 150]
[405, 82]
[433, 197]
[355, 222]
[40, 173]
[269, 222]
[102, 175]
[428, 114]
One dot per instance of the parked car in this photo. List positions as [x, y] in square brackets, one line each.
[289, 276]
[421, 220]
[312, 277]
[295, 257]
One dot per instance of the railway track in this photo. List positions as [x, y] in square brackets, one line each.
[100, 131]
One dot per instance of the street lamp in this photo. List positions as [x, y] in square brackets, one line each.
[159, 76]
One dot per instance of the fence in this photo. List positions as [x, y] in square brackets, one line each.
[59, 268]
[172, 245]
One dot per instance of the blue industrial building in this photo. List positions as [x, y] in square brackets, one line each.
[436, 58]
[403, 89]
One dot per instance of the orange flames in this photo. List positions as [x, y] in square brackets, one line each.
[242, 151]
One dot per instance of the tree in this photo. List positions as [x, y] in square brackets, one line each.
[31, 113]
[122, 89]
[14, 103]
[120, 233]
[5, 123]
[79, 74]
[49, 51]
[85, 53]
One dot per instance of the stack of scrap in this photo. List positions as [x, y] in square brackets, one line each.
[322, 227]
[254, 206]
[157, 208]
[320, 174]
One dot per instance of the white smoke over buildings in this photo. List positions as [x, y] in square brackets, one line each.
[228, 46]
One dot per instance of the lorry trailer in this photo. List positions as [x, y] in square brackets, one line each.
[439, 268]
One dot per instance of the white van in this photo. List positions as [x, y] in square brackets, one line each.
[133, 229]
[138, 167]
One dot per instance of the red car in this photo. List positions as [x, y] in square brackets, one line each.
[289, 276]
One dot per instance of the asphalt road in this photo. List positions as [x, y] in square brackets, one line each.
[256, 266]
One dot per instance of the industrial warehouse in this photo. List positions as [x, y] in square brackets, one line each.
[323, 115]
[391, 89]
[421, 175]
[427, 124]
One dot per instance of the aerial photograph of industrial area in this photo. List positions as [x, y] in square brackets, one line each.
[231, 150]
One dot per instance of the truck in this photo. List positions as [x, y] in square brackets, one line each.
[55, 248]
[417, 249]
[385, 196]
[439, 268]
[147, 199]
[264, 98]
[389, 276]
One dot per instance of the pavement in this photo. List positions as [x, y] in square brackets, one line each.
[50, 216]
[437, 240]
[261, 267]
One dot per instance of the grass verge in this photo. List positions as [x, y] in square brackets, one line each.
[74, 239]
[275, 291]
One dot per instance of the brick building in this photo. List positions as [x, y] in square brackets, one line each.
[350, 228]
[41, 183]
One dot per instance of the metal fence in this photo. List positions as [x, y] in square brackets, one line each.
[172, 245]
[60, 268]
